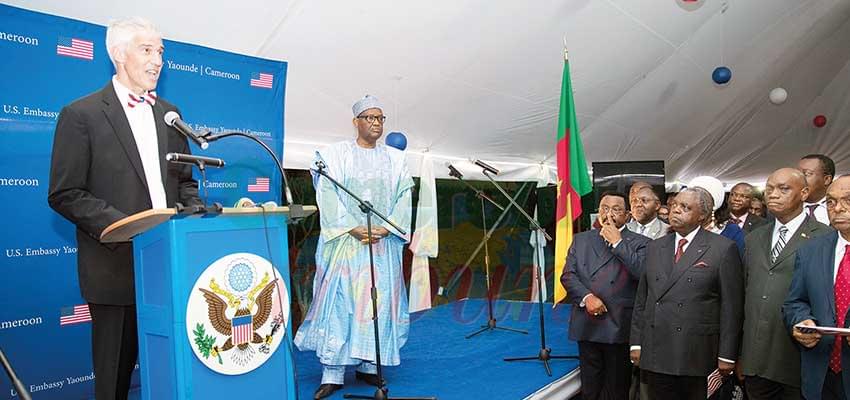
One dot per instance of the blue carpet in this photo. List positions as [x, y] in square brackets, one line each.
[438, 361]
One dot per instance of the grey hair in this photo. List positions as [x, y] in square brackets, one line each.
[120, 33]
[706, 202]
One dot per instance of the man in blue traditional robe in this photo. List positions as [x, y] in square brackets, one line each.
[339, 326]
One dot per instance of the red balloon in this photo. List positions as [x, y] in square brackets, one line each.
[820, 121]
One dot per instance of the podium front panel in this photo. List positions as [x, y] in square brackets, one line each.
[213, 319]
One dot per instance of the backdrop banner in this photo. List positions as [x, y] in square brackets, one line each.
[48, 62]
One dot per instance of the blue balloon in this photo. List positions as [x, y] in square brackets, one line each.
[397, 140]
[721, 75]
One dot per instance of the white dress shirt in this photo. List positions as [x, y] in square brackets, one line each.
[793, 225]
[820, 212]
[840, 247]
[143, 126]
[689, 237]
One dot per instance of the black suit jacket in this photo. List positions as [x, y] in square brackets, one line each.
[97, 178]
[612, 274]
[687, 314]
[752, 222]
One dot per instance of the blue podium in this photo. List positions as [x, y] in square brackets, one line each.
[212, 309]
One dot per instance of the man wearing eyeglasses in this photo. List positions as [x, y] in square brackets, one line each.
[820, 295]
[603, 270]
[338, 326]
[819, 170]
[740, 200]
[645, 221]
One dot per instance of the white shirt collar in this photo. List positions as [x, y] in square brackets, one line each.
[819, 202]
[123, 94]
[741, 218]
[689, 237]
[647, 224]
[792, 225]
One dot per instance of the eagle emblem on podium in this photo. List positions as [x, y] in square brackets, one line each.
[239, 307]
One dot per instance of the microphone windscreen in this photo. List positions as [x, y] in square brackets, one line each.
[170, 117]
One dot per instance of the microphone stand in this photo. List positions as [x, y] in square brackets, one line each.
[381, 393]
[455, 277]
[545, 353]
[491, 321]
[19, 386]
[215, 208]
[296, 211]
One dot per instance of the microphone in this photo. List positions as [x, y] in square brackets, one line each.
[453, 171]
[487, 167]
[195, 160]
[172, 119]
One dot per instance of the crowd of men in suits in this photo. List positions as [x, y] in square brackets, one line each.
[668, 310]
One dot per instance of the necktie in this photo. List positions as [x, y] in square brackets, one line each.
[780, 244]
[148, 97]
[681, 249]
[812, 208]
[735, 220]
[842, 302]
[642, 229]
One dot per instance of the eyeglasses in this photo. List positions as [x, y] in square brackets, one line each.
[615, 210]
[372, 118]
[844, 201]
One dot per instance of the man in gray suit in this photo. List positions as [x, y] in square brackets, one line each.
[603, 270]
[689, 304]
[644, 204]
[770, 359]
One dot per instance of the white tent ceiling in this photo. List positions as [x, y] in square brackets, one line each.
[481, 78]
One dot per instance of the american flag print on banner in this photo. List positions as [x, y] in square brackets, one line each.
[73, 47]
[262, 80]
[260, 185]
[243, 330]
[74, 315]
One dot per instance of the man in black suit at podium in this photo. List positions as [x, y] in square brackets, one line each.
[109, 162]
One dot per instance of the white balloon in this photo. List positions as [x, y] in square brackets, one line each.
[778, 96]
[713, 186]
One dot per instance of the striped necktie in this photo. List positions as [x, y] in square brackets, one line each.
[148, 97]
[780, 244]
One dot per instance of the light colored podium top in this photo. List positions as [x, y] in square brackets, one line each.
[125, 229]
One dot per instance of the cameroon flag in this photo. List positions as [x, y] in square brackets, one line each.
[573, 180]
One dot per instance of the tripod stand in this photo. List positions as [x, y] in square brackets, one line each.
[367, 208]
[545, 353]
[13, 378]
[491, 322]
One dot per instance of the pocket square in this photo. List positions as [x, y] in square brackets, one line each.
[701, 264]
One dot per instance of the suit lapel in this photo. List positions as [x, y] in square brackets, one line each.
[652, 230]
[828, 263]
[803, 234]
[764, 244]
[603, 254]
[161, 139]
[121, 126]
[694, 252]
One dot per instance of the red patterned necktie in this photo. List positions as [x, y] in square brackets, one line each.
[681, 249]
[735, 221]
[148, 97]
[812, 208]
[842, 302]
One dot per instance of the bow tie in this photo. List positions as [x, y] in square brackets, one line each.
[148, 97]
